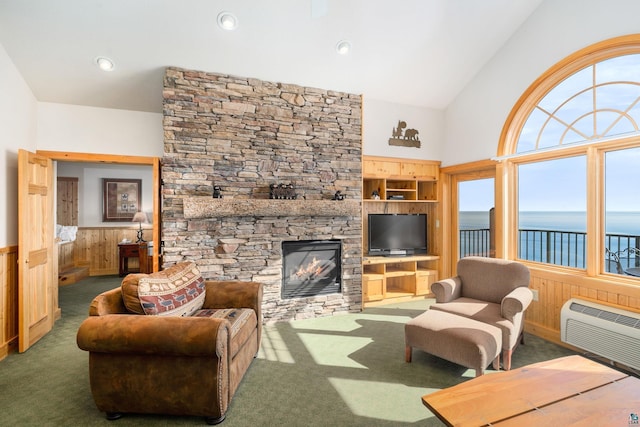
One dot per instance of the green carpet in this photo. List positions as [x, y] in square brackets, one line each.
[345, 370]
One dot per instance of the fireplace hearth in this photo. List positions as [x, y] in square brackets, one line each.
[311, 268]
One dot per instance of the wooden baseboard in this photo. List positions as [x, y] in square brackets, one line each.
[547, 334]
[9, 347]
[103, 272]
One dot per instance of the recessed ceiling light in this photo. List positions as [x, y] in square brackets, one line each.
[105, 64]
[343, 47]
[227, 21]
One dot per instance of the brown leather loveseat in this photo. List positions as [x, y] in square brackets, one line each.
[168, 364]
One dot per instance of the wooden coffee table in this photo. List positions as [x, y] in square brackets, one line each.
[570, 390]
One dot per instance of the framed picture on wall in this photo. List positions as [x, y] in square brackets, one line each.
[122, 198]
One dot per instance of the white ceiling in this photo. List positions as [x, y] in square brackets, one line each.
[413, 52]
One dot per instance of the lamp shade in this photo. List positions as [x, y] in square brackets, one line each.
[140, 217]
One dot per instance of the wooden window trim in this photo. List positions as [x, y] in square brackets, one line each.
[594, 152]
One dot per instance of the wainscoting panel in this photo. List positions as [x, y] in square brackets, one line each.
[555, 288]
[8, 300]
[97, 248]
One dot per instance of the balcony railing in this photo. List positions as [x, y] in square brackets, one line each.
[475, 242]
[566, 248]
[623, 246]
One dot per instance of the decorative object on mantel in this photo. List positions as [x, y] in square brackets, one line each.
[404, 137]
[282, 191]
[338, 196]
[217, 192]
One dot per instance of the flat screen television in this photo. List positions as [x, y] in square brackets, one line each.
[397, 234]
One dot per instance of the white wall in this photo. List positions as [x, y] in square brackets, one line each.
[84, 129]
[474, 121]
[90, 192]
[17, 130]
[380, 118]
[27, 124]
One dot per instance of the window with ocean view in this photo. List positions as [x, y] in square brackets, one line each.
[622, 212]
[572, 149]
[552, 218]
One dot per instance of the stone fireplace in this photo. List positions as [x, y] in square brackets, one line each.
[244, 135]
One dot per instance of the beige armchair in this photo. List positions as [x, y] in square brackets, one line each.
[489, 290]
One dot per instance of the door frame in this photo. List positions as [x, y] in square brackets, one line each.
[154, 162]
[450, 177]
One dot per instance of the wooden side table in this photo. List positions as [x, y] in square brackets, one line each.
[133, 250]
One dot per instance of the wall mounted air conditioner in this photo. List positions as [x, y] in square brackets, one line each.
[602, 330]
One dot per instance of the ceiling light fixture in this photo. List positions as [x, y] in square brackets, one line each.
[105, 64]
[343, 47]
[227, 21]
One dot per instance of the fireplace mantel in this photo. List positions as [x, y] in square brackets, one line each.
[208, 207]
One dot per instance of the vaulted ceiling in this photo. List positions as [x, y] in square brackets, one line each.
[413, 52]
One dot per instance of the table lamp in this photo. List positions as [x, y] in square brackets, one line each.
[140, 217]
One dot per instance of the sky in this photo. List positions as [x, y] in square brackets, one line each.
[560, 185]
[476, 195]
[597, 102]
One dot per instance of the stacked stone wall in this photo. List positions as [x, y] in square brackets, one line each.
[243, 135]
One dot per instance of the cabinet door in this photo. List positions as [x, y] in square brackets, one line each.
[373, 287]
[419, 170]
[381, 168]
[424, 280]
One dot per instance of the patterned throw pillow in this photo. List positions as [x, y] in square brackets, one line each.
[176, 291]
[129, 290]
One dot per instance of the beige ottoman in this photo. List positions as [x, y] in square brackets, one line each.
[457, 339]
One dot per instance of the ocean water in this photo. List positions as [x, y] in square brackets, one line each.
[627, 223]
[568, 249]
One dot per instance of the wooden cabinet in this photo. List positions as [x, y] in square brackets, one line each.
[401, 186]
[409, 188]
[386, 278]
[374, 285]
[133, 250]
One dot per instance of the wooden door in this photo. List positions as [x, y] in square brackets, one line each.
[37, 275]
[67, 201]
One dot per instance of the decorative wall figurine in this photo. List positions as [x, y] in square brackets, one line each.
[397, 132]
[217, 192]
[404, 137]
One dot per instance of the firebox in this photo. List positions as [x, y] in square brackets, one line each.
[311, 267]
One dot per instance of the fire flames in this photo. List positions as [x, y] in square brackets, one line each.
[311, 269]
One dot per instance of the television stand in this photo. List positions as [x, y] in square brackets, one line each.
[388, 279]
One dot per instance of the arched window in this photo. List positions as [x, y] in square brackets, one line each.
[572, 147]
[599, 101]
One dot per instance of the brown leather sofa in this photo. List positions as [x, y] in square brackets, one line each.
[171, 365]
